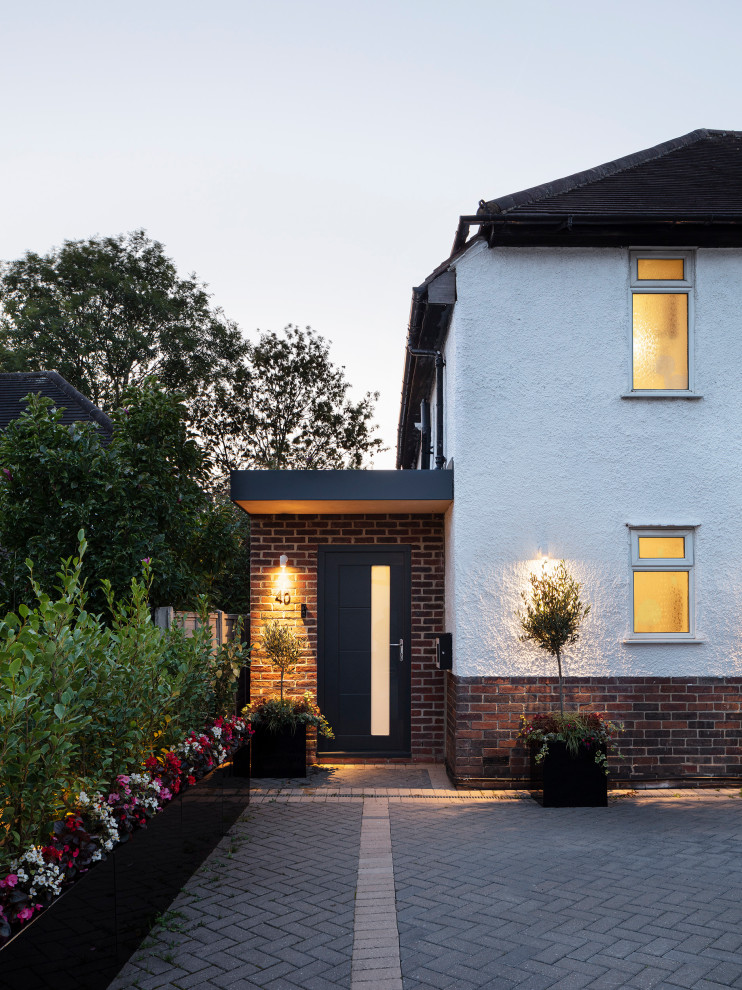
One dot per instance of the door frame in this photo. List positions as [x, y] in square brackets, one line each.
[406, 694]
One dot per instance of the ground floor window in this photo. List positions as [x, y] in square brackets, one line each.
[662, 591]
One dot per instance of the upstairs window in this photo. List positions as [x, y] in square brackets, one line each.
[662, 584]
[662, 322]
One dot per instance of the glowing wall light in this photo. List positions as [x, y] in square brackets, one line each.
[282, 593]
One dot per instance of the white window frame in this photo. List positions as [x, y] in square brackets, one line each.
[673, 286]
[686, 563]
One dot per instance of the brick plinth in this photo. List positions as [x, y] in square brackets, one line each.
[299, 537]
[674, 727]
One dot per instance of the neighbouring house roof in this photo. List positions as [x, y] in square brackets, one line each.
[15, 386]
[341, 492]
[687, 191]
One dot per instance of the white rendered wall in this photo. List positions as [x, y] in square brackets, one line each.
[547, 455]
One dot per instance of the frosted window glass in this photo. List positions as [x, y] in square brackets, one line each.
[660, 340]
[380, 631]
[661, 602]
[669, 269]
[662, 546]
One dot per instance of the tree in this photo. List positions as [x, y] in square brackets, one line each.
[287, 406]
[282, 646]
[140, 496]
[553, 614]
[108, 312]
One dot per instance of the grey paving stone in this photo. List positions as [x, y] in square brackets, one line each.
[489, 895]
[632, 895]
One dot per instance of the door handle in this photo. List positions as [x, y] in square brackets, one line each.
[400, 647]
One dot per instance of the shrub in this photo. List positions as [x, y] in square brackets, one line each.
[82, 702]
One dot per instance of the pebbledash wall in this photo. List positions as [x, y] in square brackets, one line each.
[299, 536]
[551, 459]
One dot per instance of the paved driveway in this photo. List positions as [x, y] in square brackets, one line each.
[375, 887]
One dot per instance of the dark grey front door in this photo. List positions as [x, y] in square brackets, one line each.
[363, 655]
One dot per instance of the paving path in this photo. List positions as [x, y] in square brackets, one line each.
[389, 879]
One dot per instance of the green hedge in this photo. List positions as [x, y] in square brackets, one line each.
[83, 699]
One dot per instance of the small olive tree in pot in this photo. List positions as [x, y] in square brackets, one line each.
[280, 724]
[568, 749]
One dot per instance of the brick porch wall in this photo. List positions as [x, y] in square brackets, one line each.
[675, 727]
[299, 538]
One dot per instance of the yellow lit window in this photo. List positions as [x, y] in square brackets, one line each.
[662, 546]
[660, 269]
[661, 602]
[660, 340]
[662, 584]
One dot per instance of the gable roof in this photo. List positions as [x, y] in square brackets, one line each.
[15, 386]
[699, 174]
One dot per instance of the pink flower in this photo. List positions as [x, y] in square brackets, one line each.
[25, 914]
[10, 881]
[165, 794]
[113, 798]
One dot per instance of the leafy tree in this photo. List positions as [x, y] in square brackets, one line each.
[282, 646]
[553, 614]
[108, 312]
[286, 406]
[140, 496]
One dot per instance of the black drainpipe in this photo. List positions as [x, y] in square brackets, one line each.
[440, 460]
[425, 435]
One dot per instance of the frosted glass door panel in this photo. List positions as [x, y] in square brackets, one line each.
[380, 633]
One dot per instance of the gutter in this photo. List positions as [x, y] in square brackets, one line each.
[567, 221]
[417, 311]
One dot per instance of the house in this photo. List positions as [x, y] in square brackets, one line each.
[16, 385]
[575, 363]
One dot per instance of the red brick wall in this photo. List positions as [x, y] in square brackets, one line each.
[675, 727]
[299, 538]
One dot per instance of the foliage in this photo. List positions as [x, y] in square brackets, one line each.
[139, 496]
[591, 730]
[553, 613]
[96, 824]
[278, 714]
[81, 701]
[282, 646]
[108, 312]
[286, 406]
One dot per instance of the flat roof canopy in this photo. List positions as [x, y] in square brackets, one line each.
[264, 493]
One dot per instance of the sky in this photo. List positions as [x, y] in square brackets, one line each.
[309, 161]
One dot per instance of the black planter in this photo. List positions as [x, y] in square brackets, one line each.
[279, 754]
[567, 781]
[85, 936]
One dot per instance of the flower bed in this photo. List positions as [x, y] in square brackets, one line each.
[100, 822]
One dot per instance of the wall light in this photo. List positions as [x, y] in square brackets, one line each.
[282, 594]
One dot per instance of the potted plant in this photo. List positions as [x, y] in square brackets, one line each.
[279, 745]
[569, 757]
[568, 750]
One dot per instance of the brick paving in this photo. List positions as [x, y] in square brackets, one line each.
[491, 892]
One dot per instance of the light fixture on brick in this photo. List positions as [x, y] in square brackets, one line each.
[282, 595]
